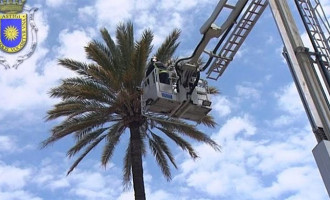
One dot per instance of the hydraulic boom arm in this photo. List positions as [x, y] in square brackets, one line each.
[310, 68]
[230, 35]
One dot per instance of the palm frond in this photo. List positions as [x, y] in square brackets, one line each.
[77, 66]
[143, 48]
[162, 144]
[88, 149]
[91, 72]
[160, 158]
[168, 47]
[115, 54]
[180, 141]
[213, 90]
[125, 40]
[86, 139]
[99, 53]
[80, 134]
[69, 126]
[105, 77]
[208, 121]
[113, 137]
[186, 129]
[128, 79]
[73, 107]
[82, 89]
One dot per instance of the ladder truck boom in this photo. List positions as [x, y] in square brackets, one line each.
[230, 35]
[310, 70]
[187, 94]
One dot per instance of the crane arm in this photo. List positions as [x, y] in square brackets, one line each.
[187, 97]
[230, 35]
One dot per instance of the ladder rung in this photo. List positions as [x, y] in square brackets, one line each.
[229, 6]
[253, 12]
[247, 21]
[238, 34]
[258, 4]
[229, 50]
[244, 28]
[233, 42]
[223, 58]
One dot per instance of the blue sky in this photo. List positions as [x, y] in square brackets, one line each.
[265, 136]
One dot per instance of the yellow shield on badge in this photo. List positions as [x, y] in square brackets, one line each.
[13, 31]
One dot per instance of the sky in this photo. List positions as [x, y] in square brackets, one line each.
[263, 130]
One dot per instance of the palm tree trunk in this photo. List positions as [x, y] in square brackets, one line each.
[137, 168]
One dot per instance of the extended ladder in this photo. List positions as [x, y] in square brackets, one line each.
[318, 29]
[236, 38]
[314, 19]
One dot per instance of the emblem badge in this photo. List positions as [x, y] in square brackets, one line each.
[18, 32]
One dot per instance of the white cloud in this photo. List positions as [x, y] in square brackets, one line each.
[214, 172]
[109, 14]
[86, 12]
[153, 195]
[45, 176]
[283, 120]
[222, 105]
[281, 155]
[243, 165]
[93, 185]
[12, 178]
[42, 25]
[182, 5]
[73, 43]
[18, 195]
[126, 195]
[60, 183]
[146, 19]
[162, 27]
[20, 88]
[296, 180]
[7, 144]
[144, 14]
[235, 126]
[55, 3]
[146, 4]
[178, 5]
[160, 195]
[241, 52]
[326, 7]
[247, 92]
[289, 101]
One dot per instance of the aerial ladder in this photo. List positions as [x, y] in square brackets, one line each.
[187, 96]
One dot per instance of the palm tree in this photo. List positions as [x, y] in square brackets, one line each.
[104, 100]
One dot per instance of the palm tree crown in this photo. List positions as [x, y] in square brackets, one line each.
[103, 101]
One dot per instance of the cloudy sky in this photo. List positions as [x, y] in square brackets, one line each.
[265, 136]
